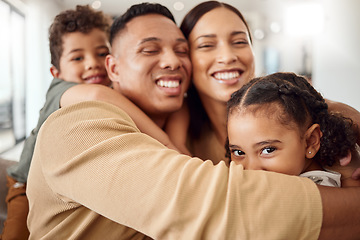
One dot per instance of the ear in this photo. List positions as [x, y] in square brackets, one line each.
[312, 136]
[111, 65]
[54, 72]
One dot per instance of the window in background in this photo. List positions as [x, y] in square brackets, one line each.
[12, 76]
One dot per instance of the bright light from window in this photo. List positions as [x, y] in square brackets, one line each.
[304, 19]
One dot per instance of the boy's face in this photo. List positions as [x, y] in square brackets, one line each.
[83, 58]
[260, 142]
[150, 64]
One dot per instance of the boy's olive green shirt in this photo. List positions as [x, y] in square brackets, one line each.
[57, 88]
[94, 175]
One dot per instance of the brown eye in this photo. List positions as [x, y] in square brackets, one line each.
[268, 150]
[236, 152]
[77, 59]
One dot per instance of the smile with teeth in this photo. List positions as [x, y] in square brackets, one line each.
[94, 77]
[226, 75]
[168, 84]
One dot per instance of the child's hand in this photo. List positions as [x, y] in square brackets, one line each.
[356, 174]
[349, 167]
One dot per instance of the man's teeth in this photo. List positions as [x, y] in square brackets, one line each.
[226, 75]
[168, 84]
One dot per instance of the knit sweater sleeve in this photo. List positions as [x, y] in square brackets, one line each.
[97, 158]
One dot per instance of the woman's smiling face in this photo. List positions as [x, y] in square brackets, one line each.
[221, 54]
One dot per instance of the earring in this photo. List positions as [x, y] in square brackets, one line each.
[309, 152]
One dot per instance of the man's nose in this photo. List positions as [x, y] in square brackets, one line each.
[170, 60]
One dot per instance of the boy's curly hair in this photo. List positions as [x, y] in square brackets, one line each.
[83, 19]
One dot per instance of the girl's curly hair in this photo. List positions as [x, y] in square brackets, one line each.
[302, 105]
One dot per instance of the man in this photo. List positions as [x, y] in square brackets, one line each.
[94, 174]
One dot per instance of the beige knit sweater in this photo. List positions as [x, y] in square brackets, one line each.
[94, 175]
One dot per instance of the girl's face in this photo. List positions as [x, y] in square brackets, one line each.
[260, 142]
[221, 54]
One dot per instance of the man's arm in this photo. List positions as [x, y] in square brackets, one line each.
[96, 92]
[171, 196]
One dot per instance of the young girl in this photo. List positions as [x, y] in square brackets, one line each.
[281, 123]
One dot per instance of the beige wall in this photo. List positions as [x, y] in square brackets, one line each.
[337, 53]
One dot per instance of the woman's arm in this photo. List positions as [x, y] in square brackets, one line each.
[177, 127]
[91, 92]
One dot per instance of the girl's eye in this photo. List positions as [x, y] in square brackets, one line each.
[236, 152]
[268, 150]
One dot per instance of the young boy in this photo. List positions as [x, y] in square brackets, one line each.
[78, 46]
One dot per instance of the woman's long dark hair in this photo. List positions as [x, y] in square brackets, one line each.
[198, 117]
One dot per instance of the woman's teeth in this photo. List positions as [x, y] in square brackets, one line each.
[226, 75]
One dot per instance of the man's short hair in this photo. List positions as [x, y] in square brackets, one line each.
[83, 19]
[136, 11]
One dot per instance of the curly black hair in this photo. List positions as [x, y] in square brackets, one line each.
[83, 19]
[303, 105]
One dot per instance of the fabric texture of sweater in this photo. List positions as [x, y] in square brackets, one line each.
[94, 175]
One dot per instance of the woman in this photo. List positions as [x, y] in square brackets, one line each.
[223, 61]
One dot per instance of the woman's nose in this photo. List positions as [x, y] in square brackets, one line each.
[226, 55]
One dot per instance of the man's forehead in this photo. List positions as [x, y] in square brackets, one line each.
[153, 26]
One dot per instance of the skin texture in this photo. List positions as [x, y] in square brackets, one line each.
[220, 48]
[83, 58]
[221, 54]
[149, 62]
[260, 142]
[213, 50]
